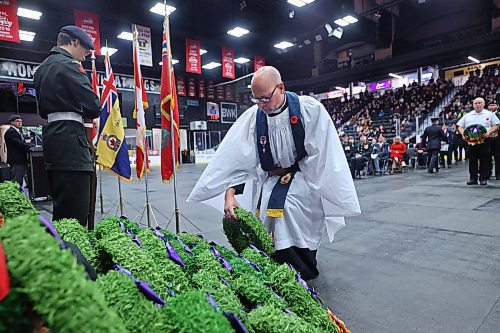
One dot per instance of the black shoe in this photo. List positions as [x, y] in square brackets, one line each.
[472, 182]
[483, 183]
[497, 177]
[430, 171]
[449, 166]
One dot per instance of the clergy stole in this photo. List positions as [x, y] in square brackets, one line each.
[278, 195]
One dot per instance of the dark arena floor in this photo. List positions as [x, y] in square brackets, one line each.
[423, 256]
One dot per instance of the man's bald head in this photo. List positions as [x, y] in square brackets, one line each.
[266, 83]
[478, 104]
[267, 73]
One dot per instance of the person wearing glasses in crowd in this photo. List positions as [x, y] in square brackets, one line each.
[284, 150]
[65, 99]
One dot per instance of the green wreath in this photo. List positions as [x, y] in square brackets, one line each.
[247, 229]
[474, 134]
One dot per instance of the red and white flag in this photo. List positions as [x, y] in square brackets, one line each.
[169, 108]
[141, 103]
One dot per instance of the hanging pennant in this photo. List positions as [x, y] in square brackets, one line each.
[228, 63]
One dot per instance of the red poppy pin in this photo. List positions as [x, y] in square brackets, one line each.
[487, 119]
[82, 70]
[294, 120]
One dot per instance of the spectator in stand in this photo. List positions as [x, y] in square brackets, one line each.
[397, 150]
[380, 153]
[422, 155]
[362, 153]
[409, 145]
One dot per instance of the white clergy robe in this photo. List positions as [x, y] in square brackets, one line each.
[320, 195]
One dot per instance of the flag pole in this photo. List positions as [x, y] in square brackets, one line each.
[122, 210]
[172, 131]
[100, 190]
[174, 162]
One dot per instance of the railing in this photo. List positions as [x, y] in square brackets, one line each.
[435, 113]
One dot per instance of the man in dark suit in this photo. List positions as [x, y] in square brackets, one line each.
[65, 99]
[432, 138]
[446, 148]
[16, 149]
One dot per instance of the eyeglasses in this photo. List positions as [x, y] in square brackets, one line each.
[264, 99]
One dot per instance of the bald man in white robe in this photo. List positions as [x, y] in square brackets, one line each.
[322, 192]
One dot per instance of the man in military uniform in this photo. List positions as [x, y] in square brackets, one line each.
[432, 138]
[479, 154]
[65, 99]
[495, 142]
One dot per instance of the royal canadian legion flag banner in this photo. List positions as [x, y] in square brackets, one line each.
[228, 63]
[258, 62]
[193, 57]
[9, 24]
[90, 23]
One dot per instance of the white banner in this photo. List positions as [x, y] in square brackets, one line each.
[145, 49]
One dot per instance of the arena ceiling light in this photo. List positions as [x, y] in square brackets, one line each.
[202, 51]
[32, 14]
[283, 45]
[241, 60]
[126, 35]
[238, 32]
[27, 36]
[396, 76]
[211, 65]
[108, 50]
[341, 22]
[161, 9]
[471, 58]
[350, 19]
[174, 61]
[299, 3]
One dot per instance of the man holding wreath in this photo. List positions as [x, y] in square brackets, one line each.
[476, 127]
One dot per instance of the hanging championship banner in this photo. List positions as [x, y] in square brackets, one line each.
[228, 112]
[211, 90]
[9, 24]
[228, 63]
[228, 93]
[201, 89]
[90, 23]
[220, 93]
[191, 88]
[181, 87]
[258, 62]
[193, 57]
[145, 49]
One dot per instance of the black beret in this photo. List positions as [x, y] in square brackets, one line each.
[435, 119]
[79, 34]
[491, 101]
[14, 117]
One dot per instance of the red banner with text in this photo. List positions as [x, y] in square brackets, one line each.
[201, 89]
[193, 57]
[181, 86]
[191, 88]
[9, 24]
[228, 63]
[258, 62]
[90, 23]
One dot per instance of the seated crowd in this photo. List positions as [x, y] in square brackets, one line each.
[367, 123]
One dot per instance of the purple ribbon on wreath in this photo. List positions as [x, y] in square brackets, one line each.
[143, 287]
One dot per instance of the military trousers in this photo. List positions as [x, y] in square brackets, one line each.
[70, 192]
